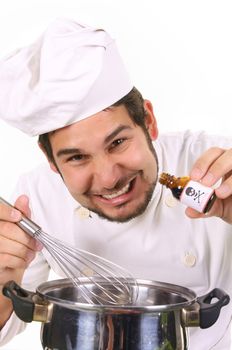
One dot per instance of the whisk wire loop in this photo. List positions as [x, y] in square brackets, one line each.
[89, 261]
[76, 263]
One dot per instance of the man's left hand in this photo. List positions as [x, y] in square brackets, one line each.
[214, 165]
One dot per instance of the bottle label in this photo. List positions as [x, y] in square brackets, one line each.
[196, 195]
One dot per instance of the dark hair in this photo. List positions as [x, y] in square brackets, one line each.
[134, 104]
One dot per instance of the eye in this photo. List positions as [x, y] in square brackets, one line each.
[117, 143]
[76, 158]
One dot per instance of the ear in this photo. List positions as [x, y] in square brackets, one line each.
[51, 164]
[150, 120]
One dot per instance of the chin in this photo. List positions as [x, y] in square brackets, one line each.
[124, 215]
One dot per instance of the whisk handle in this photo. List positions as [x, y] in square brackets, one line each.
[25, 224]
[29, 226]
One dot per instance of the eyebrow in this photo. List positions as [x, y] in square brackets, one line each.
[116, 132]
[68, 151]
[111, 136]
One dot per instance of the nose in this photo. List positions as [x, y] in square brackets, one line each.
[107, 172]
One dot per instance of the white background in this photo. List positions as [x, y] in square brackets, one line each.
[178, 52]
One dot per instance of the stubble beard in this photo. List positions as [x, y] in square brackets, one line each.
[142, 206]
[139, 210]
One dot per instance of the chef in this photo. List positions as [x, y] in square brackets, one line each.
[98, 189]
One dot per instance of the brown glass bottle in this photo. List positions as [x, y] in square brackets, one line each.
[189, 192]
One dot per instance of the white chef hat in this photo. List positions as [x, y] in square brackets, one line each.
[70, 73]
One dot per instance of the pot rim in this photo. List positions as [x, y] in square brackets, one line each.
[190, 296]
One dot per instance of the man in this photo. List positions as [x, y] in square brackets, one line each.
[101, 141]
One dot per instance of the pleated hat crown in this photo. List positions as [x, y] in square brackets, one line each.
[70, 73]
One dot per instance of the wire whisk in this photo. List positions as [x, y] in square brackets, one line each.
[112, 283]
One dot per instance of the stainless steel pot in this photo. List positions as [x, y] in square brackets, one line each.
[157, 321]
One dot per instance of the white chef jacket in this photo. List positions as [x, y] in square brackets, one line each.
[162, 244]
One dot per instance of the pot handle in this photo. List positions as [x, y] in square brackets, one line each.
[209, 313]
[22, 300]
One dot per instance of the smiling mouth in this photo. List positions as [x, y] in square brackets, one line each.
[124, 190]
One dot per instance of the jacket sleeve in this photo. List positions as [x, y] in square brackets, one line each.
[36, 273]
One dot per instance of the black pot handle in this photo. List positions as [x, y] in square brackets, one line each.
[209, 312]
[22, 300]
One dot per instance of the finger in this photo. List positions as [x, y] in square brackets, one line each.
[9, 213]
[22, 203]
[220, 168]
[10, 249]
[8, 261]
[193, 214]
[203, 165]
[214, 164]
[19, 250]
[13, 233]
[216, 210]
[14, 254]
[8, 274]
[225, 189]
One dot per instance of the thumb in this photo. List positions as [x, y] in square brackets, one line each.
[22, 204]
[193, 214]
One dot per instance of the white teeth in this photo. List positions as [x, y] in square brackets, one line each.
[116, 194]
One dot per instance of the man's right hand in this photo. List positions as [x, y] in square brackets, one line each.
[17, 249]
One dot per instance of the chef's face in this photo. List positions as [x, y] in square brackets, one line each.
[108, 163]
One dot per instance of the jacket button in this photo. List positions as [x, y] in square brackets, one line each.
[189, 260]
[87, 272]
[82, 213]
[170, 201]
